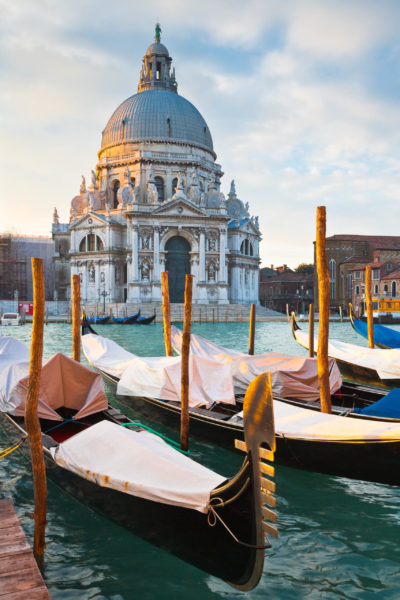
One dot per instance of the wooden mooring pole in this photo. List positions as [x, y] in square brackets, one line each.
[185, 364]
[311, 331]
[368, 303]
[166, 307]
[252, 328]
[31, 416]
[323, 301]
[76, 318]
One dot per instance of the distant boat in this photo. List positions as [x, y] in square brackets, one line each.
[125, 320]
[11, 319]
[144, 320]
[98, 320]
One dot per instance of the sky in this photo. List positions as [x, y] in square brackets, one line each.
[302, 98]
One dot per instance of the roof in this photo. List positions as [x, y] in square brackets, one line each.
[157, 114]
[374, 239]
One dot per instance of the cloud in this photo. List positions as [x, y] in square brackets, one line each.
[294, 94]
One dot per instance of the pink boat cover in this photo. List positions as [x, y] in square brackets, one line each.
[63, 383]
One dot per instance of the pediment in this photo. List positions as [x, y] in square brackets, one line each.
[91, 219]
[180, 208]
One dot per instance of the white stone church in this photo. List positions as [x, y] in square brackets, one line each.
[154, 203]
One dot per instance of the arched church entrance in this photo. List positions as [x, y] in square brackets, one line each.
[177, 265]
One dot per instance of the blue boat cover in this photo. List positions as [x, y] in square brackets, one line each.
[388, 406]
[382, 335]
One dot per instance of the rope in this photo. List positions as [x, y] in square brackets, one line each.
[168, 440]
[7, 451]
[66, 421]
[213, 523]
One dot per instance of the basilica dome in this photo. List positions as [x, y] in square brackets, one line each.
[157, 114]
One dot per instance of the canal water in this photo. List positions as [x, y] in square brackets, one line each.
[339, 538]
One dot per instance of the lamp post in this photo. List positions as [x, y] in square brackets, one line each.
[104, 294]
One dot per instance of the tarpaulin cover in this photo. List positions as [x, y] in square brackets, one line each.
[12, 351]
[388, 406]
[160, 377]
[137, 463]
[63, 383]
[382, 335]
[306, 424]
[292, 376]
[385, 362]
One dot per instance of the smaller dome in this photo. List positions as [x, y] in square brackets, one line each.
[157, 48]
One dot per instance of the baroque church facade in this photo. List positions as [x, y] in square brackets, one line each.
[154, 203]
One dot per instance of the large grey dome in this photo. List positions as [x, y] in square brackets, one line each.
[157, 115]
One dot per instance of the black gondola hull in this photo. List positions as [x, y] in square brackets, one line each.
[183, 532]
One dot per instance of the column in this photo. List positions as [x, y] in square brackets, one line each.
[135, 255]
[202, 257]
[222, 274]
[156, 247]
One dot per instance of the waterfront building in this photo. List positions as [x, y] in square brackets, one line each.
[346, 254]
[154, 203]
[15, 265]
[282, 289]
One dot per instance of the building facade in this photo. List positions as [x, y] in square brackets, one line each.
[282, 289]
[15, 265]
[347, 254]
[154, 203]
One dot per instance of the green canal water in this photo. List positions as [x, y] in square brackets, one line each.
[339, 538]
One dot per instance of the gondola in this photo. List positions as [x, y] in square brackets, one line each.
[98, 320]
[358, 364]
[145, 320]
[139, 481]
[125, 320]
[384, 337]
[347, 443]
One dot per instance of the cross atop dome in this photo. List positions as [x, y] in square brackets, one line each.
[156, 68]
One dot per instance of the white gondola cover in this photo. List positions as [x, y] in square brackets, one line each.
[160, 377]
[12, 351]
[137, 463]
[292, 376]
[63, 383]
[300, 423]
[385, 362]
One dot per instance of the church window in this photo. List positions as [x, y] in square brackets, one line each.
[332, 270]
[115, 189]
[250, 249]
[205, 135]
[169, 127]
[91, 243]
[174, 185]
[159, 181]
[158, 75]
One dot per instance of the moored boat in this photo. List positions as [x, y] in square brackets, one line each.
[138, 480]
[384, 337]
[346, 443]
[368, 366]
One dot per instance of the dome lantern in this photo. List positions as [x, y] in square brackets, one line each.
[156, 69]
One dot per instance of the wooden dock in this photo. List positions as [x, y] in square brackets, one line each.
[20, 577]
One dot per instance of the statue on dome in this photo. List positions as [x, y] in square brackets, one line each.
[94, 180]
[127, 176]
[56, 218]
[82, 189]
[157, 36]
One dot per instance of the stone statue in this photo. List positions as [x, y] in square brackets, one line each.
[127, 176]
[56, 218]
[246, 207]
[145, 271]
[82, 189]
[136, 194]
[157, 36]
[146, 242]
[211, 244]
[102, 277]
[116, 274]
[94, 180]
[91, 274]
[152, 193]
[256, 222]
[211, 272]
